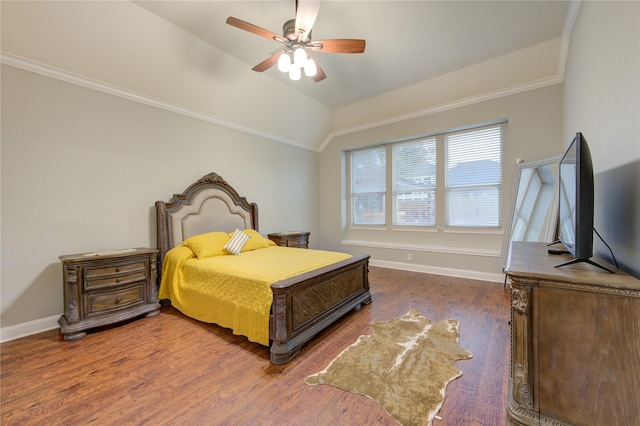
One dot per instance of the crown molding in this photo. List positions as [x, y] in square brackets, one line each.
[549, 81]
[88, 83]
[85, 82]
[558, 78]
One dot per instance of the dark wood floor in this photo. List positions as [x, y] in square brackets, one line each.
[174, 370]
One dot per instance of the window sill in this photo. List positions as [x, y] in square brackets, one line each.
[423, 247]
[414, 228]
[451, 230]
[487, 231]
[369, 227]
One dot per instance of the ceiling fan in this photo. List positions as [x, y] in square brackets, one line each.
[296, 38]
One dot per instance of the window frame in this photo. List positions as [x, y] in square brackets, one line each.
[441, 221]
[352, 195]
[447, 189]
[430, 208]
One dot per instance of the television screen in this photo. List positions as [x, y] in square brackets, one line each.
[576, 202]
[567, 215]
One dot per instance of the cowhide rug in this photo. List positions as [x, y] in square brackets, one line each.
[404, 365]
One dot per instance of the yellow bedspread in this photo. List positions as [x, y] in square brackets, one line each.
[234, 291]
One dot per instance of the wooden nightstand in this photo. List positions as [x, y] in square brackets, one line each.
[291, 239]
[107, 287]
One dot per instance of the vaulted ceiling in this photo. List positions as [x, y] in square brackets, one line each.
[407, 41]
[180, 55]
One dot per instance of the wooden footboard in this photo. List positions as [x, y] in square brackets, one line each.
[306, 304]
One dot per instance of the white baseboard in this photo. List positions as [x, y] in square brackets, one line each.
[450, 272]
[45, 324]
[28, 328]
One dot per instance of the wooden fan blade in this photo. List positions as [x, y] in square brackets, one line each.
[306, 14]
[243, 25]
[267, 63]
[320, 75]
[339, 46]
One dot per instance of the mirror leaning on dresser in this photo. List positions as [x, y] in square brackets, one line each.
[533, 212]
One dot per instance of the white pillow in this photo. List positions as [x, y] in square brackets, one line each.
[237, 242]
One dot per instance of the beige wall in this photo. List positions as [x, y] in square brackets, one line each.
[81, 171]
[599, 96]
[602, 100]
[534, 131]
[121, 44]
[602, 88]
[536, 66]
[81, 168]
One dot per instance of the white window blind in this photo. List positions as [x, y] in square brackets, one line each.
[368, 186]
[414, 183]
[473, 178]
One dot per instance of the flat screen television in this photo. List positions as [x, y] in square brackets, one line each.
[576, 202]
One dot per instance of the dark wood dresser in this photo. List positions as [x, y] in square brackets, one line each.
[575, 342]
[107, 287]
[291, 239]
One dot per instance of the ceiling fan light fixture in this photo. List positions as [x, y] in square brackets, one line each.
[310, 68]
[296, 38]
[295, 73]
[284, 62]
[299, 57]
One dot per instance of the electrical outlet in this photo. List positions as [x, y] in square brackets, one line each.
[408, 256]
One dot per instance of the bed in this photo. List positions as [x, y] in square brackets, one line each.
[301, 306]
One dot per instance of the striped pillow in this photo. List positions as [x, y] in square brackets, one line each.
[237, 241]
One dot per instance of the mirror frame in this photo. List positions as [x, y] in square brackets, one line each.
[552, 213]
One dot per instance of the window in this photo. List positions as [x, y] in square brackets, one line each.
[459, 171]
[473, 178]
[368, 186]
[414, 182]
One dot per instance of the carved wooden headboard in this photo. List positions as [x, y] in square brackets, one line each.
[207, 205]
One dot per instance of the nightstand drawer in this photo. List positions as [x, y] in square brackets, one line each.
[118, 274]
[301, 243]
[102, 302]
[121, 268]
[114, 280]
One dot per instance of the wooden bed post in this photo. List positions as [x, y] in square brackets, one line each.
[280, 351]
[305, 305]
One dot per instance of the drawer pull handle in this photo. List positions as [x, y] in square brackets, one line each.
[117, 269]
[118, 279]
[118, 299]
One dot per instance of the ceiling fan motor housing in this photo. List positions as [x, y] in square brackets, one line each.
[289, 31]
